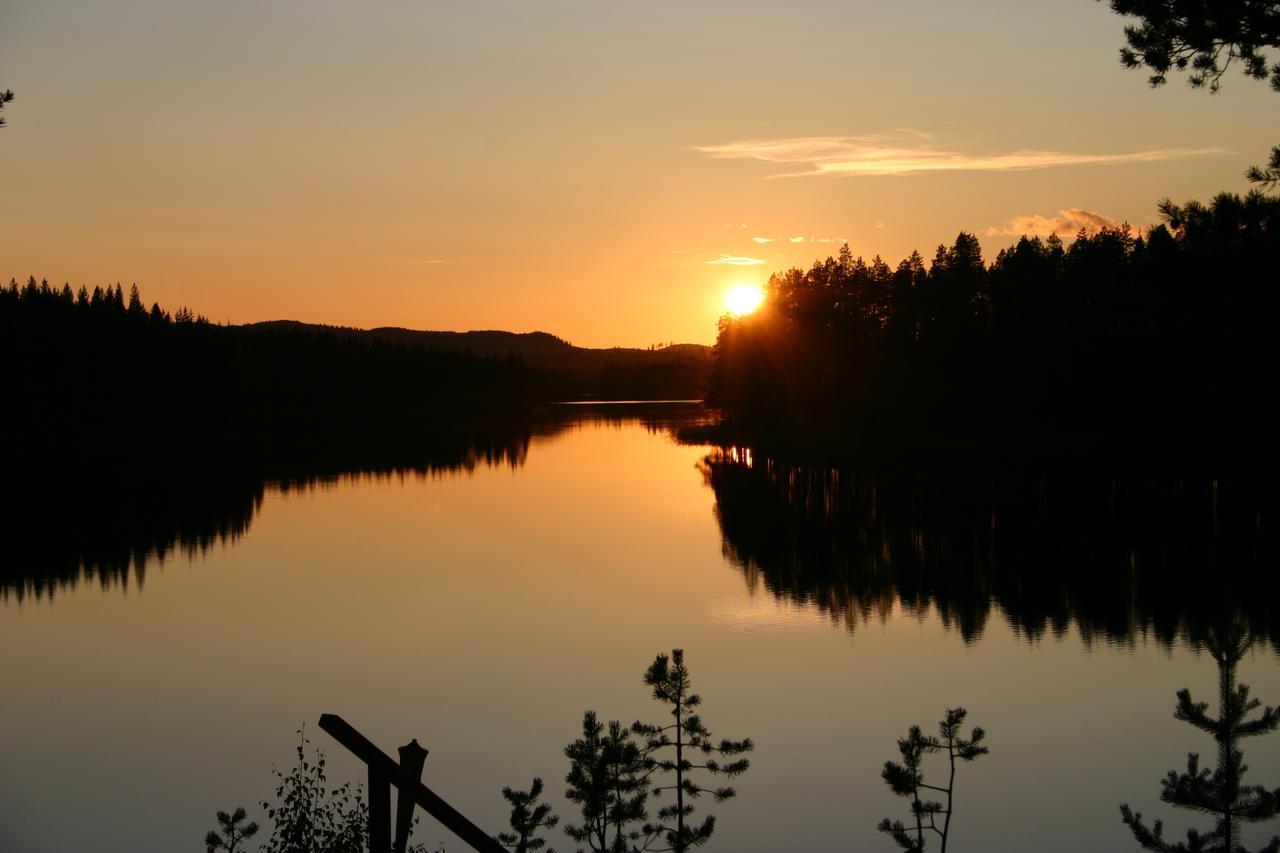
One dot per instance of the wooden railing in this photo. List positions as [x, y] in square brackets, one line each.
[406, 776]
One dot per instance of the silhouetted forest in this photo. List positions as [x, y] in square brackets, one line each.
[1115, 557]
[91, 366]
[1119, 340]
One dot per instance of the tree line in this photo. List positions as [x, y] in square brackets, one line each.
[88, 365]
[101, 361]
[1144, 338]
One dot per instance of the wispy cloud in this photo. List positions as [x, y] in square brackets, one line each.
[909, 152]
[1068, 221]
[736, 261]
[911, 131]
[797, 240]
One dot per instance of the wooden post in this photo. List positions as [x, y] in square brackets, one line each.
[412, 757]
[475, 837]
[379, 810]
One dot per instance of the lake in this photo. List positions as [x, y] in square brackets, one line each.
[161, 645]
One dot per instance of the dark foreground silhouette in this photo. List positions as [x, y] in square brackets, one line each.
[1221, 792]
[611, 778]
[636, 786]
[930, 817]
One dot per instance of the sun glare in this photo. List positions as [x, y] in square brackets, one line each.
[743, 299]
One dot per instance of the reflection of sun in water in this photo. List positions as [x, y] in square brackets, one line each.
[744, 299]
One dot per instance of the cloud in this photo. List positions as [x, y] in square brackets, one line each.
[1068, 221]
[911, 131]
[796, 240]
[736, 261]
[909, 152]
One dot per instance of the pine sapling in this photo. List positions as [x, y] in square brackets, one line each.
[528, 817]
[1218, 792]
[684, 736]
[230, 832]
[907, 780]
[608, 780]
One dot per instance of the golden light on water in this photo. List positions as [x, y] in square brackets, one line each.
[743, 299]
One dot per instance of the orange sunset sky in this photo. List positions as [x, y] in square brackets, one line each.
[605, 171]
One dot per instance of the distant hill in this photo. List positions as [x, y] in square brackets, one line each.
[558, 369]
[152, 386]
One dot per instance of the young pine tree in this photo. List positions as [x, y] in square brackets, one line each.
[230, 832]
[1220, 792]
[528, 817]
[683, 737]
[907, 780]
[608, 780]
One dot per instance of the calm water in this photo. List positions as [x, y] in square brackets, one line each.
[157, 663]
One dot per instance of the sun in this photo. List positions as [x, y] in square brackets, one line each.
[743, 299]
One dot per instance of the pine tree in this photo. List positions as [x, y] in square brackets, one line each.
[846, 259]
[1204, 38]
[5, 97]
[136, 309]
[608, 779]
[230, 832]
[626, 779]
[1267, 176]
[1220, 792]
[528, 817]
[686, 734]
[907, 780]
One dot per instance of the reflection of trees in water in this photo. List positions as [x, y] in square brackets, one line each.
[1116, 557]
[655, 418]
[75, 529]
[106, 522]
[110, 522]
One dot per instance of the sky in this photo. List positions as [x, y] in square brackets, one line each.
[602, 170]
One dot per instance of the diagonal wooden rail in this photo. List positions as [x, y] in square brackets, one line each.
[406, 776]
